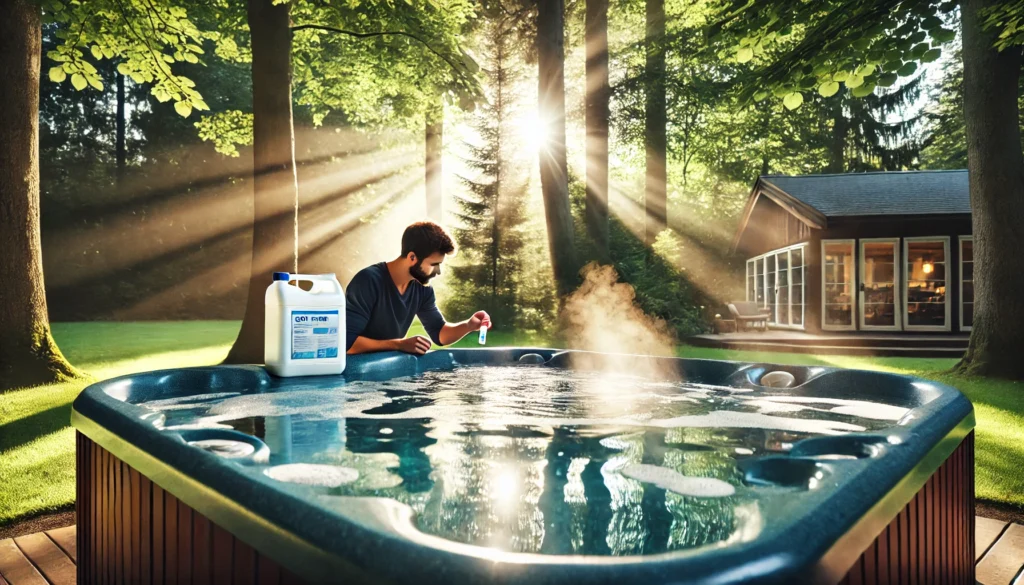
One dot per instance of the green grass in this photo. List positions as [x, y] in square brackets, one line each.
[37, 444]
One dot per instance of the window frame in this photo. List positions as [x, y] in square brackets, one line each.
[896, 287]
[960, 280]
[854, 291]
[752, 261]
[906, 285]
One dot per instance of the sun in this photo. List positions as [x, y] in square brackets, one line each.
[533, 131]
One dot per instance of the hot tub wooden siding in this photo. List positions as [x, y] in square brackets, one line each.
[132, 531]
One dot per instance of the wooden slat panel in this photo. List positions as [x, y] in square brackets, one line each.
[65, 538]
[170, 539]
[201, 547]
[245, 563]
[158, 535]
[1005, 560]
[987, 531]
[145, 540]
[135, 528]
[125, 527]
[15, 567]
[116, 528]
[184, 544]
[48, 558]
[223, 556]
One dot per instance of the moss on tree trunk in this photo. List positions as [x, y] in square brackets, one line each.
[996, 165]
[28, 354]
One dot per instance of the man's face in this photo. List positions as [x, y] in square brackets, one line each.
[427, 268]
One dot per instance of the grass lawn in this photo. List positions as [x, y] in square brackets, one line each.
[37, 444]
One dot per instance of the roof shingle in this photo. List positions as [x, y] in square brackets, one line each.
[880, 193]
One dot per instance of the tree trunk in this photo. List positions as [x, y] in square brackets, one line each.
[554, 173]
[655, 204]
[996, 166]
[275, 185]
[597, 94]
[434, 140]
[28, 354]
[837, 149]
[120, 154]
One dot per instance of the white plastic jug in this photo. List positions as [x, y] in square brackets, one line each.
[305, 330]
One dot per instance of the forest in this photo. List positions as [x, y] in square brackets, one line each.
[186, 151]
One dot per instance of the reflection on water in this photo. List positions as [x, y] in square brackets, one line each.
[530, 459]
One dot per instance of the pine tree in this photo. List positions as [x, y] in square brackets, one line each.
[492, 212]
[870, 140]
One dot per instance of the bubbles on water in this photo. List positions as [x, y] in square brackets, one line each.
[531, 359]
[673, 481]
[311, 474]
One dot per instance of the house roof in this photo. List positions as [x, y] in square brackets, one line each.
[813, 199]
[883, 193]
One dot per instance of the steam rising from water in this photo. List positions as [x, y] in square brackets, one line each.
[601, 316]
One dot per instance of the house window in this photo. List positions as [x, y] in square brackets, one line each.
[837, 284]
[775, 281]
[925, 292]
[796, 269]
[966, 283]
[751, 280]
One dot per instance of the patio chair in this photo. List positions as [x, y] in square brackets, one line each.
[749, 315]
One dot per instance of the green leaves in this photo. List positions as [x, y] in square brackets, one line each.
[931, 55]
[863, 90]
[793, 100]
[943, 35]
[227, 130]
[744, 54]
[828, 89]
[183, 109]
[57, 74]
[78, 81]
[907, 70]
[854, 81]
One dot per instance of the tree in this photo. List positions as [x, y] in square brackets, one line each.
[554, 170]
[996, 164]
[28, 354]
[865, 45]
[598, 93]
[275, 184]
[492, 215]
[655, 141]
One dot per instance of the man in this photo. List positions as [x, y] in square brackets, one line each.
[383, 299]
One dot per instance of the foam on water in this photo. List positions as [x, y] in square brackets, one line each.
[673, 481]
[314, 475]
[225, 447]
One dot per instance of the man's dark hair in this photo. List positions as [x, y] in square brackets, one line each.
[423, 238]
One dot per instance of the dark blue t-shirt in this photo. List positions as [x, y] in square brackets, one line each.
[376, 310]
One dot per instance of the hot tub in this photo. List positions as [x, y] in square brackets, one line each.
[527, 466]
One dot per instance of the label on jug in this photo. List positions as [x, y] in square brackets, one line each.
[314, 334]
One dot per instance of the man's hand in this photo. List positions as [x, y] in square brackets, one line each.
[478, 320]
[417, 345]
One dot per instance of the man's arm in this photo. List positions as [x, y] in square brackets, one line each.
[415, 345]
[452, 332]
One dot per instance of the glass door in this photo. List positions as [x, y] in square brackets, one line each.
[837, 284]
[782, 288]
[879, 278]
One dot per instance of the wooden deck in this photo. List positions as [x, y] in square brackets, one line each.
[839, 343]
[49, 557]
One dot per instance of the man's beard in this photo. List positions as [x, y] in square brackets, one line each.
[417, 272]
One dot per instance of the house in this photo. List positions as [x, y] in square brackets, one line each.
[883, 251]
